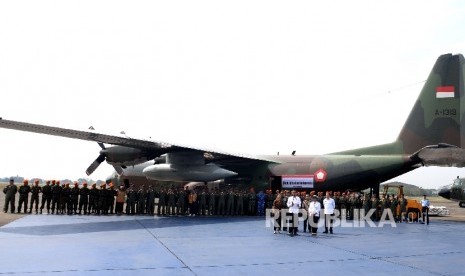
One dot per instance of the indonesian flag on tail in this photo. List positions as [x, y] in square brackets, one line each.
[445, 92]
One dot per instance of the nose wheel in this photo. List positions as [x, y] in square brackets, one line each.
[462, 204]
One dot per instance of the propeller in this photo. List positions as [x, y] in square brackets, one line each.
[95, 164]
[99, 161]
[118, 169]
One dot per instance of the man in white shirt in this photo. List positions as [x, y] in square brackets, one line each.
[425, 209]
[293, 202]
[329, 206]
[314, 214]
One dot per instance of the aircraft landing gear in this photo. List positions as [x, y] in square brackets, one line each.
[462, 204]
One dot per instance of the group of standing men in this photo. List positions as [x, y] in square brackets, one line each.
[63, 199]
[348, 205]
[313, 209]
[60, 199]
[206, 202]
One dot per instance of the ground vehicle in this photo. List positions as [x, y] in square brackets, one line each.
[413, 206]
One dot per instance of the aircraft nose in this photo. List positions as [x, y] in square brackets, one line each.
[445, 193]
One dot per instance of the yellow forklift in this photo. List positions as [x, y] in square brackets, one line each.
[413, 206]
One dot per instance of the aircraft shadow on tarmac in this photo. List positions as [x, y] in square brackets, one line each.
[122, 225]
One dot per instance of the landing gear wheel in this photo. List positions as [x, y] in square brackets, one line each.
[462, 204]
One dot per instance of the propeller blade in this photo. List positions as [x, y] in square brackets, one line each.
[101, 145]
[118, 169]
[95, 164]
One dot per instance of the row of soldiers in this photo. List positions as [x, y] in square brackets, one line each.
[215, 202]
[60, 198]
[63, 199]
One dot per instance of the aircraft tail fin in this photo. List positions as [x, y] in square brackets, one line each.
[437, 114]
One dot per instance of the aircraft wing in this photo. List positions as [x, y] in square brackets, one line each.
[152, 148]
[82, 135]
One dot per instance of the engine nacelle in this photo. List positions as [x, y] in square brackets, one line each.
[126, 156]
[188, 173]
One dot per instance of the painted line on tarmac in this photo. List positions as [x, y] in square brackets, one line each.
[174, 254]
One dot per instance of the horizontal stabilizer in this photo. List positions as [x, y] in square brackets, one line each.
[441, 155]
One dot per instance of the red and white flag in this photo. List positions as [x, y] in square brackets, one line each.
[445, 92]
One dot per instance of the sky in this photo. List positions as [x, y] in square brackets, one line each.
[254, 77]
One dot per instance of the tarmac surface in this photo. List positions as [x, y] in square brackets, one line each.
[142, 245]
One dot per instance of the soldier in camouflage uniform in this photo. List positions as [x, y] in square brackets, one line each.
[181, 202]
[352, 202]
[65, 199]
[93, 199]
[203, 203]
[212, 202]
[269, 199]
[171, 202]
[240, 203]
[385, 204]
[230, 203]
[305, 205]
[194, 201]
[56, 194]
[10, 196]
[23, 196]
[142, 199]
[375, 205]
[161, 211]
[103, 200]
[74, 198]
[366, 203]
[343, 203]
[252, 199]
[111, 193]
[83, 198]
[358, 204]
[221, 203]
[35, 191]
[131, 200]
[337, 201]
[150, 205]
[46, 196]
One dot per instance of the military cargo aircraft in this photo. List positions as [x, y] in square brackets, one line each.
[431, 136]
[455, 191]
